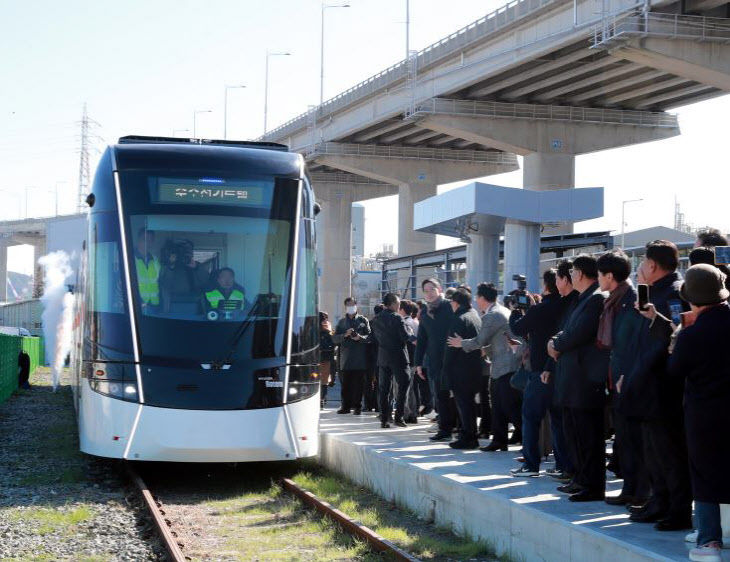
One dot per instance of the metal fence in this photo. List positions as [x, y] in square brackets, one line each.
[675, 26]
[10, 347]
[546, 112]
[341, 149]
[448, 46]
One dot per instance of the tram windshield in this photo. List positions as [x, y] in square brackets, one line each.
[208, 256]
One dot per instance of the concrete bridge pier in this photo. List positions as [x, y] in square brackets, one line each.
[336, 193]
[482, 255]
[549, 138]
[334, 246]
[417, 172]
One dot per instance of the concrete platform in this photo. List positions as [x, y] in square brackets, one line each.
[473, 493]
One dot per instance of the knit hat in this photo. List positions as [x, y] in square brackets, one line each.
[704, 284]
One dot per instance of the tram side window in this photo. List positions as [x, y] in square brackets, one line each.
[106, 270]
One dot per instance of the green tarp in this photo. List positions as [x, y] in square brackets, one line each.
[10, 347]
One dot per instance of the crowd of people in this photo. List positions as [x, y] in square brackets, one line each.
[587, 360]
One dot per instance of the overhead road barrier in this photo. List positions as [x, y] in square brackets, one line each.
[467, 36]
[443, 106]
[675, 26]
[378, 151]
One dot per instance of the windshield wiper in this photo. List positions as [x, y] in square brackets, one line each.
[240, 332]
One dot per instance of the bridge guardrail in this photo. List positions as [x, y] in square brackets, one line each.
[548, 112]
[675, 26]
[492, 22]
[342, 149]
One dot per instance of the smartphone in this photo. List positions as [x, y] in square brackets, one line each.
[643, 291]
[722, 255]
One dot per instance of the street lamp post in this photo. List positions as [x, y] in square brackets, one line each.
[195, 116]
[623, 221]
[225, 108]
[266, 85]
[321, 49]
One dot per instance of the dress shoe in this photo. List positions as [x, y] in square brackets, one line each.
[587, 496]
[425, 411]
[384, 425]
[516, 439]
[570, 488]
[357, 411]
[621, 499]
[343, 411]
[647, 517]
[400, 423]
[493, 446]
[459, 444]
[441, 436]
[674, 524]
[411, 420]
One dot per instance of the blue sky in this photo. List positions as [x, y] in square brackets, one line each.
[144, 67]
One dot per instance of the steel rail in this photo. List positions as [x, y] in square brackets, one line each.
[353, 527]
[169, 538]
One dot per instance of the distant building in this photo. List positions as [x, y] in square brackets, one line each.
[358, 230]
[639, 238]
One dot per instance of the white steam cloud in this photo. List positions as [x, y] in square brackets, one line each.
[57, 310]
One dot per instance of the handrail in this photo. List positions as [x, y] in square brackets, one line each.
[425, 153]
[547, 112]
[662, 25]
[338, 177]
[453, 43]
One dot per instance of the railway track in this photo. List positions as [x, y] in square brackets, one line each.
[174, 547]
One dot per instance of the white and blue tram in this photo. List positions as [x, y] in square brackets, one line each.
[196, 329]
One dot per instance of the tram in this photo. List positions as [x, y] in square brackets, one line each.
[196, 328]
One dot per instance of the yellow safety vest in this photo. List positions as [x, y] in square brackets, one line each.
[147, 278]
[215, 296]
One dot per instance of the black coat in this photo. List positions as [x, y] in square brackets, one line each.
[463, 370]
[353, 353]
[582, 368]
[567, 306]
[431, 342]
[390, 332]
[646, 393]
[540, 323]
[700, 359]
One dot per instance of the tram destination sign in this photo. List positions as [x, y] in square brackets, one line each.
[201, 194]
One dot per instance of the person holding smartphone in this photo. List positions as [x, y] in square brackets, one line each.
[647, 395]
[699, 361]
[352, 335]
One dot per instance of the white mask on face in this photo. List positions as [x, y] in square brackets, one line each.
[351, 310]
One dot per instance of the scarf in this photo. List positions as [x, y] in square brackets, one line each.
[433, 306]
[610, 308]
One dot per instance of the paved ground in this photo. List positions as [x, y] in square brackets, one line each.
[488, 473]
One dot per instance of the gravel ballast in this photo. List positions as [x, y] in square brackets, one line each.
[55, 502]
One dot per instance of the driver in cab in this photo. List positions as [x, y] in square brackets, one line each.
[227, 299]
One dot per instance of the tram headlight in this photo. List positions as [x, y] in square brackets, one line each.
[121, 390]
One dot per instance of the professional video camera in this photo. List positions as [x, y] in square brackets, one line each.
[182, 250]
[518, 297]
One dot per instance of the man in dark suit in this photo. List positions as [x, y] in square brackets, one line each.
[462, 369]
[432, 333]
[656, 400]
[581, 374]
[392, 336]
